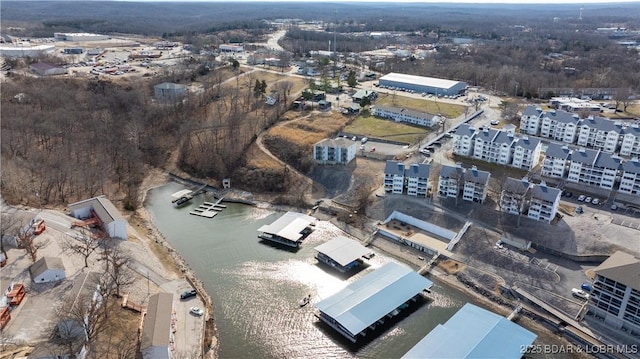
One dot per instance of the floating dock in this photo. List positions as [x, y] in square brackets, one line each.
[208, 209]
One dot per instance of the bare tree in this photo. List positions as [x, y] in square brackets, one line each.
[84, 244]
[117, 262]
[27, 241]
[8, 228]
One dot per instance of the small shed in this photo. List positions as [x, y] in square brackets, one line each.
[47, 269]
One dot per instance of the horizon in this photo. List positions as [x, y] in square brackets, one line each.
[476, 2]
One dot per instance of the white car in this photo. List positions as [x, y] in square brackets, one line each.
[579, 293]
[595, 201]
[587, 200]
[495, 122]
[196, 311]
[581, 198]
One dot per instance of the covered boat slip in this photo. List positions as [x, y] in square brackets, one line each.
[473, 332]
[367, 301]
[290, 229]
[341, 253]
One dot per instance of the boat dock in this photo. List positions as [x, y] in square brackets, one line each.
[208, 209]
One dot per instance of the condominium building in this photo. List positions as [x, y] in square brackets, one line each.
[493, 146]
[394, 177]
[463, 140]
[406, 115]
[526, 153]
[450, 181]
[593, 168]
[600, 133]
[556, 161]
[544, 202]
[615, 297]
[412, 180]
[630, 178]
[531, 120]
[334, 151]
[630, 141]
[476, 185]
[513, 195]
[560, 126]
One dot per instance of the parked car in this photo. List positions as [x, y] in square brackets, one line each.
[614, 207]
[364, 140]
[437, 144]
[586, 287]
[579, 210]
[196, 311]
[595, 201]
[188, 294]
[581, 198]
[567, 194]
[495, 122]
[579, 293]
[587, 200]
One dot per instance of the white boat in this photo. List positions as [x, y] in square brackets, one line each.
[181, 197]
[304, 301]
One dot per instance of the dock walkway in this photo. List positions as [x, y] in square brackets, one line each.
[208, 209]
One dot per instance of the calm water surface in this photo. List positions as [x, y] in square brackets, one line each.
[256, 287]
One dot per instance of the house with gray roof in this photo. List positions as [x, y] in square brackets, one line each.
[560, 126]
[494, 146]
[107, 216]
[339, 151]
[630, 177]
[450, 180]
[513, 195]
[463, 140]
[593, 168]
[47, 269]
[600, 133]
[526, 153]
[544, 202]
[556, 161]
[413, 117]
[476, 185]
[630, 145]
[394, 177]
[531, 120]
[412, 180]
[157, 335]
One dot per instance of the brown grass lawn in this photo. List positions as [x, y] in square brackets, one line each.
[368, 125]
[258, 159]
[420, 104]
[310, 129]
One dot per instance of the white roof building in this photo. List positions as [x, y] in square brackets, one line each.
[339, 151]
[108, 215]
[290, 229]
[47, 269]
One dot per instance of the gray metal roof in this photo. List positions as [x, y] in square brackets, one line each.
[558, 151]
[289, 225]
[451, 171]
[516, 186]
[632, 166]
[418, 170]
[633, 129]
[373, 296]
[532, 111]
[342, 250]
[584, 156]
[44, 264]
[543, 192]
[157, 322]
[562, 116]
[420, 80]
[473, 332]
[336, 142]
[408, 111]
[602, 124]
[606, 160]
[527, 143]
[105, 210]
[476, 176]
[466, 130]
[487, 134]
[622, 268]
[394, 168]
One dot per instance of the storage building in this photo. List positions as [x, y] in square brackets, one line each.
[422, 84]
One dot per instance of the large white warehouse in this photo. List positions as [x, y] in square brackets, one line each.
[25, 50]
[77, 36]
[422, 84]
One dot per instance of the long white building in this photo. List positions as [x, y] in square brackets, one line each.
[423, 84]
[593, 168]
[413, 117]
[600, 133]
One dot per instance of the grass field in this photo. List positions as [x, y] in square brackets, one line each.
[386, 129]
[419, 104]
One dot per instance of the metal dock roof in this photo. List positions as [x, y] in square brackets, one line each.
[373, 296]
[342, 250]
[288, 226]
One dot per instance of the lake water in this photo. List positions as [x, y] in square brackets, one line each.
[256, 286]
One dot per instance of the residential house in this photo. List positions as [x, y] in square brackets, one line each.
[526, 153]
[513, 197]
[47, 269]
[394, 177]
[556, 161]
[600, 133]
[104, 213]
[463, 140]
[157, 334]
[476, 185]
[630, 146]
[406, 115]
[560, 126]
[418, 179]
[360, 94]
[494, 146]
[531, 120]
[593, 168]
[615, 297]
[450, 180]
[339, 151]
[544, 202]
[630, 178]
[169, 92]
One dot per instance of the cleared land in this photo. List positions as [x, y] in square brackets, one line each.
[446, 109]
[372, 126]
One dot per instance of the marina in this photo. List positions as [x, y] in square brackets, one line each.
[342, 253]
[290, 229]
[208, 209]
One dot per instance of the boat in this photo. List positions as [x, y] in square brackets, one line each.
[304, 301]
[180, 198]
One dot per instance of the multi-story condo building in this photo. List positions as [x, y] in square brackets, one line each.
[600, 133]
[476, 184]
[450, 181]
[630, 141]
[334, 151]
[630, 178]
[513, 197]
[526, 153]
[615, 296]
[463, 140]
[556, 161]
[560, 126]
[409, 116]
[493, 146]
[531, 120]
[394, 177]
[412, 180]
[544, 202]
[593, 168]
[418, 179]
